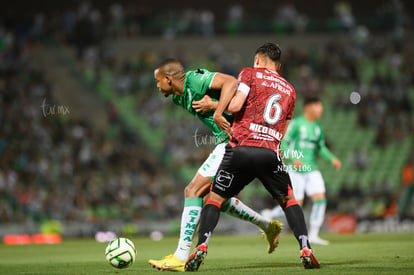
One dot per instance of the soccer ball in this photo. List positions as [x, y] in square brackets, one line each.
[120, 253]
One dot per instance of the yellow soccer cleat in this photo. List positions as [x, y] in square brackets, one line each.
[168, 263]
[272, 235]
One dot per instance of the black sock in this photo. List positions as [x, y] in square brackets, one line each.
[209, 218]
[296, 221]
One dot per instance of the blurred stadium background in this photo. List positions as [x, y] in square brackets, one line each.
[87, 143]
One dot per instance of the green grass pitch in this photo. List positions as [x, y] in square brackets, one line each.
[228, 254]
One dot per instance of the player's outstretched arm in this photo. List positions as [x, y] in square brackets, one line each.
[228, 86]
[326, 154]
[226, 83]
[206, 104]
[236, 103]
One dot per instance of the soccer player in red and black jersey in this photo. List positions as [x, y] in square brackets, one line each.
[263, 106]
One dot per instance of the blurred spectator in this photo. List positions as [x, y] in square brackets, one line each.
[360, 159]
[288, 18]
[123, 82]
[116, 25]
[344, 14]
[407, 180]
[207, 23]
[235, 19]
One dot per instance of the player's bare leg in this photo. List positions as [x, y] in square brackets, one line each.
[190, 217]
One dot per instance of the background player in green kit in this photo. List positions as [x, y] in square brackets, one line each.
[187, 89]
[304, 140]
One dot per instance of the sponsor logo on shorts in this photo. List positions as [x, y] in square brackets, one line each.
[224, 179]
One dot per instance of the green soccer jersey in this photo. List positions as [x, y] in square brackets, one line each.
[303, 141]
[197, 83]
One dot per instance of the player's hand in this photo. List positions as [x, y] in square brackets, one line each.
[297, 164]
[203, 105]
[224, 125]
[337, 164]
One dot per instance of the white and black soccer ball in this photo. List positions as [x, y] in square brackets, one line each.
[120, 253]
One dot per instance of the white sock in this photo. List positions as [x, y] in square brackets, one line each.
[234, 207]
[317, 217]
[189, 220]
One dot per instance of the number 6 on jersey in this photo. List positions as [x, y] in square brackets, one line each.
[273, 109]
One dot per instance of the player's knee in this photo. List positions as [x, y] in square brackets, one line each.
[287, 201]
[189, 191]
[195, 189]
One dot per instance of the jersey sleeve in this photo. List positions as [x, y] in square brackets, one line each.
[204, 79]
[199, 82]
[245, 81]
[323, 151]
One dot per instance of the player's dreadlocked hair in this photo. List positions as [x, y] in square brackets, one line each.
[171, 67]
[271, 50]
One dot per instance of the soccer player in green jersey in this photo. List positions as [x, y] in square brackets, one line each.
[187, 89]
[304, 140]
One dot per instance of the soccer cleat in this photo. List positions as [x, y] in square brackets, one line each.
[307, 259]
[194, 261]
[272, 235]
[317, 240]
[168, 263]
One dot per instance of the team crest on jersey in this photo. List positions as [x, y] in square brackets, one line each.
[259, 75]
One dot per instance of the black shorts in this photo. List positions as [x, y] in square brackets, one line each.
[242, 164]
